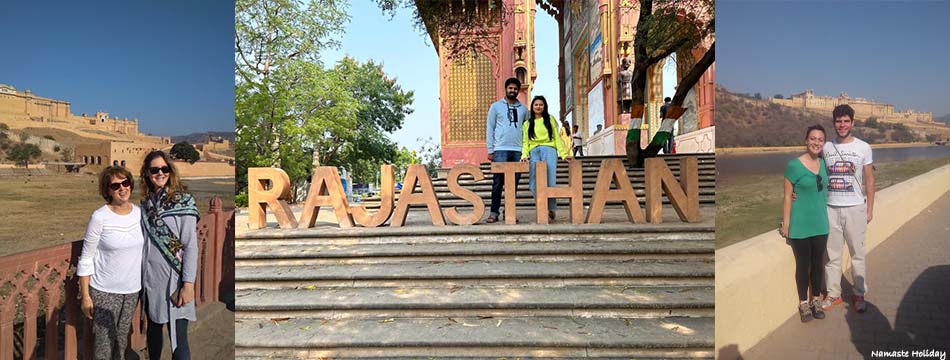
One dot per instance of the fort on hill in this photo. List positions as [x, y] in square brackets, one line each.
[863, 108]
[98, 140]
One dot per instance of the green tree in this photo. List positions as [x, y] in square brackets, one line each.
[184, 151]
[872, 122]
[382, 107]
[66, 155]
[290, 110]
[22, 153]
[283, 96]
[778, 96]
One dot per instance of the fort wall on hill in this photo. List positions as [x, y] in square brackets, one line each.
[863, 108]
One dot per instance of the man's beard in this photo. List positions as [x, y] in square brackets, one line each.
[845, 134]
[512, 96]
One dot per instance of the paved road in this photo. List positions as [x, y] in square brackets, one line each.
[908, 301]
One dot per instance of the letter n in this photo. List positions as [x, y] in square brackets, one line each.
[684, 195]
[259, 196]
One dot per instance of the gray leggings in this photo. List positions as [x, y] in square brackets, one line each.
[111, 322]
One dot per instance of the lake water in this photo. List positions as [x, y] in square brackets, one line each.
[731, 166]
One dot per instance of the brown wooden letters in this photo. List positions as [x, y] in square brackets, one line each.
[573, 191]
[386, 201]
[416, 173]
[270, 187]
[684, 198]
[478, 206]
[258, 196]
[509, 169]
[326, 179]
[612, 170]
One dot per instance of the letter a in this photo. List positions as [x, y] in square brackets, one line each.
[416, 173]
[612, 170]
[326, 179]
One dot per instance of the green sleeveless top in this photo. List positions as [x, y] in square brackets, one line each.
[809, 211]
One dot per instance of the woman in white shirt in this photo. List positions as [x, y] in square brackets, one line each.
[110, 267]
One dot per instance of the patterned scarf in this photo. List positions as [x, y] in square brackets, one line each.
[154, 208]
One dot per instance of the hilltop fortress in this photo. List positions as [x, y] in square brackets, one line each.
[24, 109]
[98, 140]
[863, 108]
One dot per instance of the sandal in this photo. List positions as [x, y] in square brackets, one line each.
[491, 219]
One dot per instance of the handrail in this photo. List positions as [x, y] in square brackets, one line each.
[29, 277]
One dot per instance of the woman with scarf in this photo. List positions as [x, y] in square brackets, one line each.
[170, 260]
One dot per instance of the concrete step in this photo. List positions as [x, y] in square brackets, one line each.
[389, 298]
[474, 337]
[306, 249]
[505, 269]
[481, 232]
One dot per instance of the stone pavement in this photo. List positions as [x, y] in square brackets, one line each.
[211, 337]
[908, 301]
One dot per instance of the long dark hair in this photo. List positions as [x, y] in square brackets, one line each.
[544, 115]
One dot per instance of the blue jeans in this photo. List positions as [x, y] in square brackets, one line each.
[498, 180]
[549, 156]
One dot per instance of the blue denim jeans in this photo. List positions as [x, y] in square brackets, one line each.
[498, 180]
[549, 156]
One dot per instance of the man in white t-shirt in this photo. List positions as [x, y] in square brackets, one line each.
[850, 206]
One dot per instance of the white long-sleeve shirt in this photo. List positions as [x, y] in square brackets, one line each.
[112, 251]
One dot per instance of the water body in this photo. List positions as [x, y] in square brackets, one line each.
[732, 166]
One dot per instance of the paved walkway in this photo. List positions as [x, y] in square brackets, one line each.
[211, 337]
[908, 302]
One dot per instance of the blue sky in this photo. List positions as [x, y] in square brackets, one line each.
[168, 63]
[893, 52]
[409, 56]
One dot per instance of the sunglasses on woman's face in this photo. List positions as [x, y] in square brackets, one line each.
[818, 177]
[165, 169]
[125, 183]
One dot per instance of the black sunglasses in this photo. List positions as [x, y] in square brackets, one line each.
[818, 177]
[125, 183]
[165, 169]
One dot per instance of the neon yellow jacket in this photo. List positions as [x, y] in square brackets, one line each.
[541, 138]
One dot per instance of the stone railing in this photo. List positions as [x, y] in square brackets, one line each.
[43, 283]
[755, 287]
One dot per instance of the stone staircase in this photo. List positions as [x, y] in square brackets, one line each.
[612, 290]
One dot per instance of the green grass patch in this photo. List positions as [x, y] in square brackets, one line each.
[752, 205]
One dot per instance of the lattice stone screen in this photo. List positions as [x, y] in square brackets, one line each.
[471, 92]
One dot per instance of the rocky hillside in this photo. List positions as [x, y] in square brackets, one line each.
[746, 121]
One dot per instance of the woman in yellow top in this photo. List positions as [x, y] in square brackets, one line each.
[566, 135]
[539, 143]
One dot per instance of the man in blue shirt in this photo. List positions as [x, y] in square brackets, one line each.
[503, 139]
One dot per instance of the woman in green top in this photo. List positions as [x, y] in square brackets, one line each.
[805, 221]
[540, 142]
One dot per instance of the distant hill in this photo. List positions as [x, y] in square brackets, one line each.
[748, 121]
[943, 119]
[202, 137]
